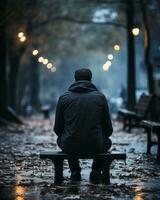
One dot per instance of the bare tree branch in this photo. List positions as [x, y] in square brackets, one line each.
[92, 1]
[78, 21]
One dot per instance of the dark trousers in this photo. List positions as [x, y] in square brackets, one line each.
[96, 165]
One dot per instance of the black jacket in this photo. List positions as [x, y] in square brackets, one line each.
[82, 119]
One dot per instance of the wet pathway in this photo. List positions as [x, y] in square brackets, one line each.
[23, 176]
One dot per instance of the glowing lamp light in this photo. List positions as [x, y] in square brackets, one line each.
[45, 61]
[49, 65]
[110, 56]
[23, 38]
[117, 47]
[35, 52]
[53, 69]
[40, 59]
[20, 34]
[19, 198]
[107, 65]
[135, 31]
[19, 192]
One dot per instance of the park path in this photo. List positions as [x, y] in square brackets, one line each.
[23, 176]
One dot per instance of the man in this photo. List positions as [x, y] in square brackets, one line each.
[83, 123]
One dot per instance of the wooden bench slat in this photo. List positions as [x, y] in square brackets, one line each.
[151, 124]
[57, 158]
[55, 154]
[125, 111]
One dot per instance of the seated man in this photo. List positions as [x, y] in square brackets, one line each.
[82, 123]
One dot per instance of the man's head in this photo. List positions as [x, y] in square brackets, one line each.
[83, 74]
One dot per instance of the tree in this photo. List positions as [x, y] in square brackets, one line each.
[3, 66]
[147, 44]
[34, 83]
[34, 25]
[5, 111]
[131, 56]
[33, 21]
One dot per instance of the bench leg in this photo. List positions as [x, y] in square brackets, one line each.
[130, 125]
[149, 143]
[127, 124]
[106, 172]
[58, 166]
[124, 123]
[158, 150]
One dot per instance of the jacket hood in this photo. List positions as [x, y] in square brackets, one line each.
[82, 87]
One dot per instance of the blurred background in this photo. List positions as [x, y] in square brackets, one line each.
[43, 42]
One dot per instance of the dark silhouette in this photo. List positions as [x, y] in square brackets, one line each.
[131, 83]
[3, 69]
[83, 123]
[147, 48]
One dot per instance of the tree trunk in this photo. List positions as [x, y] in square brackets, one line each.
[15, 55]
[3, 73]
[34, 83]
[13, 75]
[131, 96]
[147, 42]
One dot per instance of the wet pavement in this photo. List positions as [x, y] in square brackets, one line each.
[23, 176]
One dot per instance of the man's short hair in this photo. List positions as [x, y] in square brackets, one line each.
[83, 74]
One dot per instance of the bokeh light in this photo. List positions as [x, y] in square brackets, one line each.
[49, 65]
[107, 65]
[117, 47]
[53, 69]
[23, 38]
[20, 34]
[35, 52]
[110, 56]
[45, 61]
[135, 31]
[40, 59]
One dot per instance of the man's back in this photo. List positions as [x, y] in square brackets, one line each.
[82, 119]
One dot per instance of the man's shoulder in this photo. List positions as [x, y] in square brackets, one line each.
[100, 94]
[69, 94]
[102, 98]
[64, 96]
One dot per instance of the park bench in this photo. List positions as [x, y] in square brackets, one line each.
[46, 110]
[58, 157]
[133, 118]
[152, 127]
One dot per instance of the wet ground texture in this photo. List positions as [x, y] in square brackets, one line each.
[23, 176]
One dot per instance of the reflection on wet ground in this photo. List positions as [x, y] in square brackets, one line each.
[23, 176]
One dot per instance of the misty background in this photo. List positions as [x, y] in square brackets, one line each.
[74, 35]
